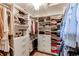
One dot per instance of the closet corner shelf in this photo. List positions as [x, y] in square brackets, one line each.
[21, 25]
[22, 17]
[56, 31]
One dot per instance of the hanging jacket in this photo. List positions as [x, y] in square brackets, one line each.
[71, 27]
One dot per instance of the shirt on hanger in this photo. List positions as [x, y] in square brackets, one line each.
[70, 28]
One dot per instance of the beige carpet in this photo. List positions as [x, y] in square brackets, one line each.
[40, 54]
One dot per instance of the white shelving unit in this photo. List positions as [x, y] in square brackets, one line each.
[47, 27]
[21, 37]
[44, 40]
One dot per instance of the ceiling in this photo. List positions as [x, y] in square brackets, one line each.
[44, 10]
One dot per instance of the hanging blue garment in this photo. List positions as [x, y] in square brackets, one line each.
[77, 15]
[73, 20]
[69, 33]
[63, 23]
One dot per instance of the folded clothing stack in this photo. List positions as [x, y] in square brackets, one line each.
[55, 48]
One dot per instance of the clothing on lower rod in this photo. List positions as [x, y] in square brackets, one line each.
[69, 51]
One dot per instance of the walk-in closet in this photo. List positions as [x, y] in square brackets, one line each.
[48, 29]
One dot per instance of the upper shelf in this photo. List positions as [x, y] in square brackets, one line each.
[20, 9]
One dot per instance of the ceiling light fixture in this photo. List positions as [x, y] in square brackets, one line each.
[37, 5]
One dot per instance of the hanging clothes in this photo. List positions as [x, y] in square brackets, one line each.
[1, 23]
[5, 20]
[33, 27]
[69, 51]
[62, 26]
[70, 29]
[4, 42]
[6, 31]
[77, 13]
